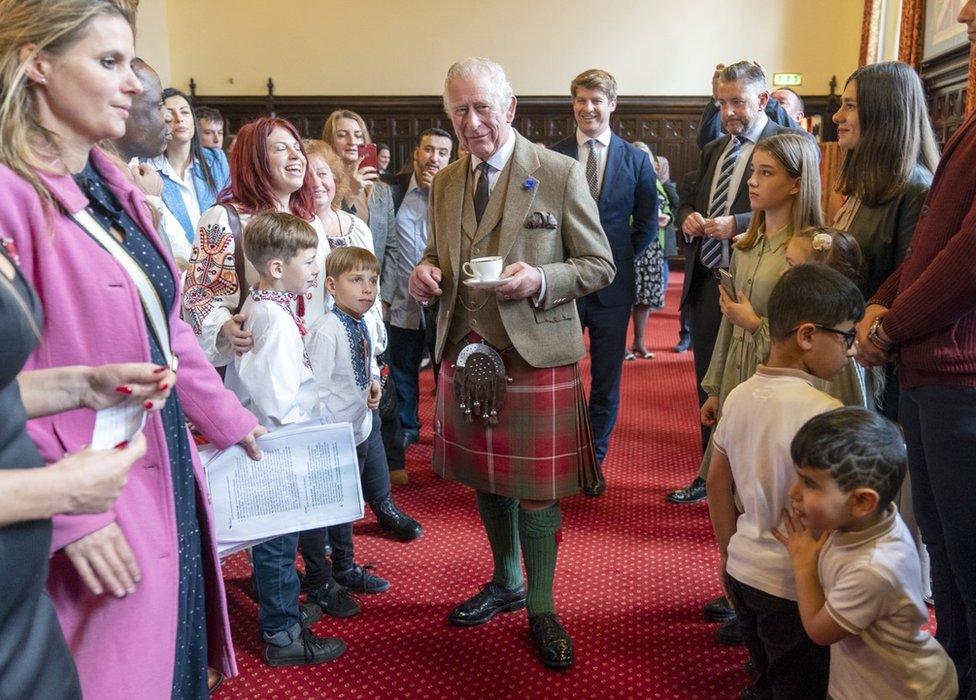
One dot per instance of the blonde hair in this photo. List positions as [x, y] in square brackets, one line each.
[595, 79]
[329, 128]
[316, 147]
[52, 26]
[798, 154]
[277, 235]
[349, 258]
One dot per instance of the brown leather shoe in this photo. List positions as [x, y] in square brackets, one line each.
[214, 679]
[399, 477]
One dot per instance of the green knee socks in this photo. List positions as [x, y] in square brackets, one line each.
[500, 517]
[537, 532]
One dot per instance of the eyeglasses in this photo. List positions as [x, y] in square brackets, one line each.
[848, 336]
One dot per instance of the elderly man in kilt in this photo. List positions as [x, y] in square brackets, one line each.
[511, 418]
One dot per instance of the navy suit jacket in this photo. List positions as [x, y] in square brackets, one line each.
[628, 211]
[695, 195]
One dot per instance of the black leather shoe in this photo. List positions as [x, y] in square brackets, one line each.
[730, 635]
[552, 643]
[407, 438]
[335, 600]
[309, 614]
[596, 490]
[306, 650]
[391, 518]
[751, 668]
[489, 601]
[751, 693]
[693, 493]
[682, 346]
[718, 610]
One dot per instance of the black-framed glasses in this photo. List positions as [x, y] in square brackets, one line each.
[848, 336]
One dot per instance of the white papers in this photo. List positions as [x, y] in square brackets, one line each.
[308, 477]
[117, 424]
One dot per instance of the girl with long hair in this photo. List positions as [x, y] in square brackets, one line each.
[784, 190]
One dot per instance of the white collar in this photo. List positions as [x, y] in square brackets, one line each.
[162, 164]
[499, 159]
[603, 138]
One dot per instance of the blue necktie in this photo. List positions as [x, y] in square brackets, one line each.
[711, 249]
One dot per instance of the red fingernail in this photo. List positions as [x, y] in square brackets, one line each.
[158, 370]
[121, 445]
[164, 386]
[123, 390]
[148, 405]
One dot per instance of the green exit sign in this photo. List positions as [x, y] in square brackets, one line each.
[787, 79]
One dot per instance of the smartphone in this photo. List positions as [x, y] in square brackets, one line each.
[725, 279]
[367, 151]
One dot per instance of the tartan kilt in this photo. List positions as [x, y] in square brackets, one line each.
[542, 447]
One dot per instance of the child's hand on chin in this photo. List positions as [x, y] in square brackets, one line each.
[802, 543]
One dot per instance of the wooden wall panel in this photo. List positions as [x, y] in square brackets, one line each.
[669, 125]
[945, 85]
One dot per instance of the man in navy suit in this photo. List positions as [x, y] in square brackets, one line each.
[622, 181]
[714, 208]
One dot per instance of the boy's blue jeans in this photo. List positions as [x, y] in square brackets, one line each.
[276, 584]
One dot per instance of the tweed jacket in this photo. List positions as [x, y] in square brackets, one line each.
[572, 251]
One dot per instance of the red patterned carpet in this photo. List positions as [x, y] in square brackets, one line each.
[633, 572]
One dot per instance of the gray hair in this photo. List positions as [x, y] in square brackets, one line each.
[746, 72]
[473, 67]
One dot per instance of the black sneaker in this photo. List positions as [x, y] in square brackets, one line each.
[693, 493]
[308, 649]
[361, 579]
[718, 610]
[730, 635]
[335, 600]
[309, 614]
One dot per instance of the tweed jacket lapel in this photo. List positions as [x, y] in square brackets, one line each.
[518, 198]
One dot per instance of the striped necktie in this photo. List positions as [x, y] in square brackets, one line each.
[711, 250]
[592, 166]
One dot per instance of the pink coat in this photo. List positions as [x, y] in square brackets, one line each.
[92, 315]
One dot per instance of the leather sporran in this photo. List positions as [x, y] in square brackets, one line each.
[480, 382]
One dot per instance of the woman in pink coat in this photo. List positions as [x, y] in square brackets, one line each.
[138, 589]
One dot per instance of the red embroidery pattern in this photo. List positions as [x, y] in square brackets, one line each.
[210, 277]
[8, 245]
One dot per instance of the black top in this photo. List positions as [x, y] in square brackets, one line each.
[34, 658]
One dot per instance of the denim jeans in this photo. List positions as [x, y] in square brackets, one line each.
[375, 478]
[406, 352]
[940, 431]
[276, 585]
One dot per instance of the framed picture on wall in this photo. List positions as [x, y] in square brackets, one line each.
[942, 32]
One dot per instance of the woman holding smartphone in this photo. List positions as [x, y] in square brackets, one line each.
[367, 197]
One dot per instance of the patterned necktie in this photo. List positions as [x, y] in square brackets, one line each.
[711, 249]
[481, 191]
[592, 167]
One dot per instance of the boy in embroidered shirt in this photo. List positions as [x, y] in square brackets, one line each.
[812, 311]
[275, 382]
[858, 574]
[347, 386]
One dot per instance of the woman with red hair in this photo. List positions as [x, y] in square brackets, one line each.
[268, 172]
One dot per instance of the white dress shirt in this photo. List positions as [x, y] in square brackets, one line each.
[583, 153]
[185, 185]
[271, 380]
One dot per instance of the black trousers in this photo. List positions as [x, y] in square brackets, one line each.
[940, 432]
[790, 665]
[706, 316]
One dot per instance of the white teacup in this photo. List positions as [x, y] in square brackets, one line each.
[485, 269]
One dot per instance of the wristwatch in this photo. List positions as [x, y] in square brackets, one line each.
[874, 336]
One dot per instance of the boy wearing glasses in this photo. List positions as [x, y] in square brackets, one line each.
[812, 313]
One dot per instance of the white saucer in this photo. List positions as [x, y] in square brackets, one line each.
[486, 284]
